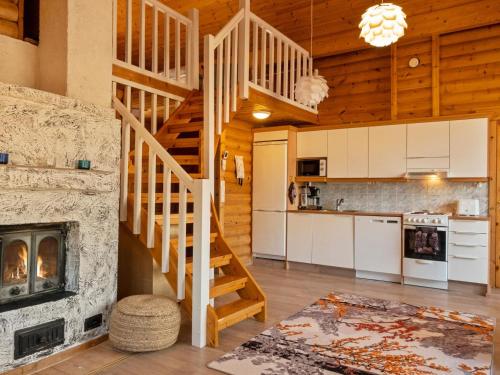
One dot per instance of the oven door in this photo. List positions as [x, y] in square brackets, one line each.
[425, 242]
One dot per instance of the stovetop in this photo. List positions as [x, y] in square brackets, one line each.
[438, 219]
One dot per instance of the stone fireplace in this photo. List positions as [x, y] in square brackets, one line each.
[58, 224]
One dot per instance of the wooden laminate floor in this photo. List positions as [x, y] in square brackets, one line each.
[288, 292]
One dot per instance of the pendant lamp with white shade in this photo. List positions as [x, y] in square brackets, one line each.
[311, 90]
[383, 24]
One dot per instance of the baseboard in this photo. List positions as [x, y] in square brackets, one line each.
[53, 359]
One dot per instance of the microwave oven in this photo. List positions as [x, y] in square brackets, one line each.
[311, 167]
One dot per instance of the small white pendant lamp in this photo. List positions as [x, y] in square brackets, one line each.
[311, 90]
[383, 24]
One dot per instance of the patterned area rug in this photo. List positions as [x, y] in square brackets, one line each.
[353, 335]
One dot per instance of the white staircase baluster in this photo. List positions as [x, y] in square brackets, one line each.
[124, 168]
[299, 66]
[285, 72]
[234, 73]
[227, 76]
[137, 185]
[155, 39]
[165, 240]
[194, 16]
[166, 46]
[128, 38]
[177, 50]
[142, 35]
[263, 56]
[271, 62]
[150, 235]
[292, 73]
[181, 250]
[154, 113]
[244, 49]
[278, 66]
[220, 50]
[255, 64]
[208, 109]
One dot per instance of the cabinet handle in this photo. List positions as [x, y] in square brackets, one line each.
[392, 222]
[420, 261]
[459, 232]
[465, 245]
[377, 221]
[464, 257]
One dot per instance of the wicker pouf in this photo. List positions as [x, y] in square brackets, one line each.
[144, 323]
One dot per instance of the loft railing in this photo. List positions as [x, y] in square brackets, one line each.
[153, 39]
[247, 53]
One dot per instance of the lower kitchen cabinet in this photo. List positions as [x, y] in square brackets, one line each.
[321, 239]
[299, 237]
[468, 254]
[333, 240]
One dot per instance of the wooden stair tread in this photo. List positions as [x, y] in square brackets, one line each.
[174, 218]
[216, 260]
[174, 197]
[236, 311]
[226, 284]
[184, 127]
[189, 239]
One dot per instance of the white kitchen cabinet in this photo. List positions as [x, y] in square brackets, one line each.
[468, 251]
[333, 240]
[428, 140]
[377, 247]
[299, 237]
[469, 148]
[357, 152]
[312, 144]
[337, 154]
[387, 151]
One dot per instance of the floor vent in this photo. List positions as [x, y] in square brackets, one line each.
[35, 339]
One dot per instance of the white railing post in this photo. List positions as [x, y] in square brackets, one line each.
[201, 262]
[208, 110]
[244, 49]
[194, 16]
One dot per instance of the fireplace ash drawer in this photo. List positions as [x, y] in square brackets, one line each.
[35, 339]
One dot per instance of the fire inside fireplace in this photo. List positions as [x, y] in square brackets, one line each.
[32, 260]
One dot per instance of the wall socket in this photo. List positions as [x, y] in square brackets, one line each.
[92, 322]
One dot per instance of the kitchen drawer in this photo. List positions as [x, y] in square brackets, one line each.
[466, 226]
[468, 270]
[425, 269]
[476, 239]
[468, 250]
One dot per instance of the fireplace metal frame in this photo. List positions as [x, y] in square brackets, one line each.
[36, 233]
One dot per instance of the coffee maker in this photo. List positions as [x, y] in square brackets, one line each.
[309, 197]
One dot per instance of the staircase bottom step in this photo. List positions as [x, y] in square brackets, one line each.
[236, 311]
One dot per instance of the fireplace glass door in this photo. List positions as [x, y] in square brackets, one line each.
[47, 260]
[15, 265]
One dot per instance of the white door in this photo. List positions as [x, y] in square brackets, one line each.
[270, 176]
[269, 234]
[469, 148]
[429, 140]
[357, 152]
[312, 144]
[333, 240]
[299, 237]
[377, 244]
[387, 151]
[337, 154]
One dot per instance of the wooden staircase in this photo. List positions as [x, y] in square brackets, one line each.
[241, 296]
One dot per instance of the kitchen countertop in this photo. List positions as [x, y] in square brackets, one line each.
[387, 214]
[347, 212]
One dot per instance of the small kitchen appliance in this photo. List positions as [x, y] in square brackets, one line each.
[309, 197]
[425, 242]
[311, 167]
[468, 207]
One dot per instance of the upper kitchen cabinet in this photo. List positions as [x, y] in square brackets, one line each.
[428, 140]
[469, 148]
[337, 154]
[387, 151]
[313, 144]
[348, 153]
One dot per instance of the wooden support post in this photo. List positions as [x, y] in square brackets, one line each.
[201, 262]
[244, 50]
[435, 76]
[394, 82]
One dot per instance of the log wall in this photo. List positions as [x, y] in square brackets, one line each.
[11, 18]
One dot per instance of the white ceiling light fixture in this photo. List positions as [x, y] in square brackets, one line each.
[261, 115]
[383, 24]
[311, 90]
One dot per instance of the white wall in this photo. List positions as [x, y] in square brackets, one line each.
[18, 62]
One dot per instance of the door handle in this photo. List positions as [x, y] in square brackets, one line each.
[420, 261]
[464, 257]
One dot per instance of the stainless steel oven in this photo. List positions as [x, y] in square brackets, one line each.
[425, 242]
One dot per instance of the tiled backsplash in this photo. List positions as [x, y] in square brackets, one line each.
[434, 195]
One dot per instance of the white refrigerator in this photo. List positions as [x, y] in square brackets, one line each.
[269, 199]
